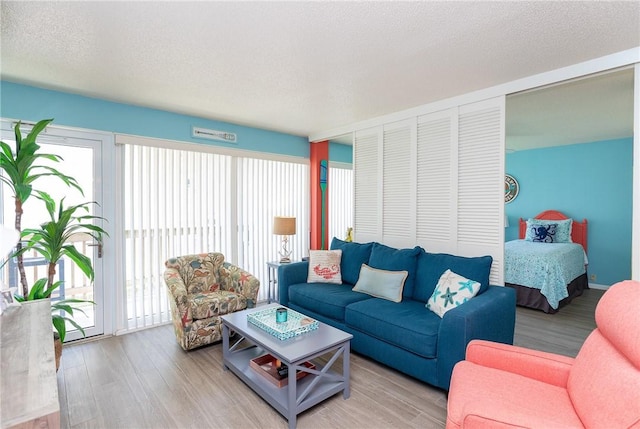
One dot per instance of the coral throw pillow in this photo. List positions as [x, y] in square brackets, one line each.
[324, 266]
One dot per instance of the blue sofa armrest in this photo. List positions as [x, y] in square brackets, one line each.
[291, 274]
[488, 316]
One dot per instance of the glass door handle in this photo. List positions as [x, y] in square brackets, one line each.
[99, 245]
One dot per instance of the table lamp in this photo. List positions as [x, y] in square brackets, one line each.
[284, 226]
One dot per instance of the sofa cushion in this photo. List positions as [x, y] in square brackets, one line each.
[391, 259]
[407, 324]
[451, 291]
[218, 303]
[432, 265]
[353, 256]
[381, 283]
[327, 299]
[324, 266]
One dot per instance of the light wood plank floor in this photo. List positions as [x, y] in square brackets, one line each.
[144, 380]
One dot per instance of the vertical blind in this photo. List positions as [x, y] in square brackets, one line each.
[340, 207]
[179, 202]
[173, 205]
[267, 189]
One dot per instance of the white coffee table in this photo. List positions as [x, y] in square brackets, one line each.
[299, 395]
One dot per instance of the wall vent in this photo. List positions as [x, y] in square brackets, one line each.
[204, 133]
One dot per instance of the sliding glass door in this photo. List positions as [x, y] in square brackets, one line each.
[178, 202]
[82, 159]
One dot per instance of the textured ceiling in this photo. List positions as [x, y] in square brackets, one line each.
[300, 67]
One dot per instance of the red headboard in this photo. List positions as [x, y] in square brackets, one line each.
[578, 229]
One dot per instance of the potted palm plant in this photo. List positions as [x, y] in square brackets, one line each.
[21, 168]
[52, 240]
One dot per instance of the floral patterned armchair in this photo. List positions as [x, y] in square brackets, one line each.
[202, 288]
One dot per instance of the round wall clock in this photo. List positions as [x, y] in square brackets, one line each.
[511, 188]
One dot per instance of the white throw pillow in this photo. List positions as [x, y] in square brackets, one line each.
[451, 291]
[324, 266]
[381, 283]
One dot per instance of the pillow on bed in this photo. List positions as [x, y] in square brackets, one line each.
[549, 231]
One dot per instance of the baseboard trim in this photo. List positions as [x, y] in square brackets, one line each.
[597, 286]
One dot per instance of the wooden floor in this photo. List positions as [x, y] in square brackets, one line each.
[144, 380]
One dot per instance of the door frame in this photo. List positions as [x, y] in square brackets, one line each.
[103, 184]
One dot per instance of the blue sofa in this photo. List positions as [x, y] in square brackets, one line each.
[404, 335]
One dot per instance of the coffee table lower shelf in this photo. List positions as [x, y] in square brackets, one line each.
[278, 397]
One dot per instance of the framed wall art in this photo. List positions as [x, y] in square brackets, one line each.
[511, 188]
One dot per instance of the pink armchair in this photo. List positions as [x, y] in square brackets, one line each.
[503, 386]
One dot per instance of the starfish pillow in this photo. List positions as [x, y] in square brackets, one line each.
[451, 291]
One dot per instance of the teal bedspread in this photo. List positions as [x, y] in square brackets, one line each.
[549, 267]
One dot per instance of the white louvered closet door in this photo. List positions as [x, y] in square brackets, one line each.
[367, 184]
[480, 181]
[436, 208]
[398, 185]
[436, 181]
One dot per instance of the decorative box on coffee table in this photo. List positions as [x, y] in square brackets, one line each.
[267, 366]
[296, 352]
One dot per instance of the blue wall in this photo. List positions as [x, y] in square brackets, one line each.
[32, 104]
[340, 152]
[590, 180]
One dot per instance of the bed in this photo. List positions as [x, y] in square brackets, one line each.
[545, 274]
